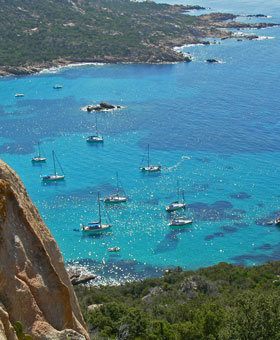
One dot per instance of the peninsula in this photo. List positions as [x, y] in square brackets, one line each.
[39, 34]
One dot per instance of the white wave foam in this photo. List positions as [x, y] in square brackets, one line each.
[264, 38]
[57, 69]
[183, 158]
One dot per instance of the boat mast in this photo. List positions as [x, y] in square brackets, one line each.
[39, 150]
[118, 194]
[54, 167]
[96, 125]
[178, 192]
[148, 155]
[99, 212]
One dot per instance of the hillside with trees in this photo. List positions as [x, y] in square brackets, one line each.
[223, 302]
[36, 34]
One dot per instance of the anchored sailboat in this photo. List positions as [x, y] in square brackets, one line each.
[180, 221]
[96, 138]
[55, 176]
[39, 158]
[150, 168]
[176, 205]
[116, 198]
[96, 227]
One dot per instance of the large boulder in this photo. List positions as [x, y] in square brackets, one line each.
[35, 288]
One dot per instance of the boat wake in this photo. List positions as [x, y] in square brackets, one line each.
[174, 167]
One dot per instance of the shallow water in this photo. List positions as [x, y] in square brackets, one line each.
[213, 127]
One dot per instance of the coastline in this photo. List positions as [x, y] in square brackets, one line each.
[214, 25]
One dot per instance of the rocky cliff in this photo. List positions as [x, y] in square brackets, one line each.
[34, 286]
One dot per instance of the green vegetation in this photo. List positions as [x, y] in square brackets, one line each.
[38, 31]
[18, 327]
[223, 302]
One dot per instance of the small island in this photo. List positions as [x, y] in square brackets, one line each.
[43, 34]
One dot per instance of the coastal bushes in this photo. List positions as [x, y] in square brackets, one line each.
[222, 302]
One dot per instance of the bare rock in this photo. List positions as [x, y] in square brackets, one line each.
[193, 285]
[35, 288]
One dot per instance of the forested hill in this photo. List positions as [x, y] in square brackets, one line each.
[35, 34]
[86, 30]
[223, 302]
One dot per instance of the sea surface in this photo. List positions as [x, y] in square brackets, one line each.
[215, 129]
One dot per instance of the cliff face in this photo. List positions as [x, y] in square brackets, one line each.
[34, 286]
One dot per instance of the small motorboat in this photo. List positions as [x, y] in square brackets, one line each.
[179, 221]
[19, 95]
[58, 86]
[277, 220]
[114, 249]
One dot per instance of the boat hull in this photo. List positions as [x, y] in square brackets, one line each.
[178, 223]
[52, 178]
[174, 207]
[95, 139]
[153, 168]
[39, 159]
[115, 200]
[96, 229]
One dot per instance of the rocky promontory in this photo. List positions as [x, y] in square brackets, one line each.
[86, 32]
[35, 287]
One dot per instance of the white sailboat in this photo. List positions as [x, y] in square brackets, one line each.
[150, 168]
[96, 227]
[95, 138]
[180, 221]
[116, 198]
[176, 205]
[39, 158]
[55, 176]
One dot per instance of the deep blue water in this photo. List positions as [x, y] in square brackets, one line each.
[213, 127]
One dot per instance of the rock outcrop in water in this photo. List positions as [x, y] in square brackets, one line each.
[35, 288]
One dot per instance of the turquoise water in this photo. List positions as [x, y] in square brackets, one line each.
[213, 127]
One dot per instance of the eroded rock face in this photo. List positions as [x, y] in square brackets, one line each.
[35, 288]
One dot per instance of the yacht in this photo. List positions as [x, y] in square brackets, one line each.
[39, 158]
[179, 221]
[55, 176]
[150, 168]
[96, 227]
[95, 138]
[176, 205]
[116, 198]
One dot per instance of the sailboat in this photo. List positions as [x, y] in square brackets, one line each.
[176, 205]
[180, 221]
[55, 176]
[39, 158]
[96, 227]
[96, 138]
[116, 198]
[150, 168]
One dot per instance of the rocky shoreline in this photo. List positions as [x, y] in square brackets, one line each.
[214, 25]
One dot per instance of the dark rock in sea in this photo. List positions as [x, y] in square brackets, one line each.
[107, 106]
[103, 106]
[256, 16]
[212, 61]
